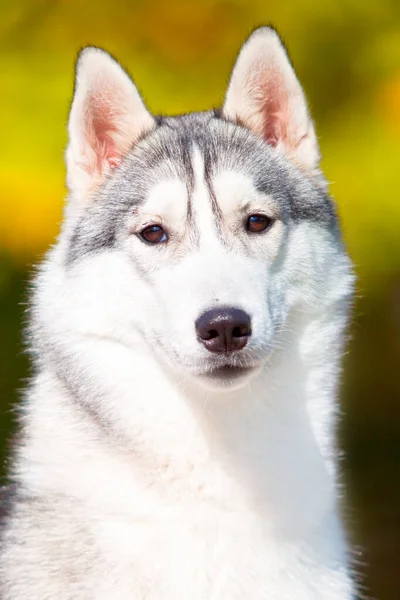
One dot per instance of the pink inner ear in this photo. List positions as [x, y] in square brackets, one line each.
[104, 129]
[275, 109]
[273, 130]
[114, 161]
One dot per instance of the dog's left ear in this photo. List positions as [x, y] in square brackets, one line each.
[107, 117]
[265, 96]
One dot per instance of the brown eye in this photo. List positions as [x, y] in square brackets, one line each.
[153, 234]
[258, 223]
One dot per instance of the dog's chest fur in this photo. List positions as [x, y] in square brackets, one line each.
[227, 520]
[198, 547]
[207, 552]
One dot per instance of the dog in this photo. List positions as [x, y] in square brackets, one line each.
[186, 330]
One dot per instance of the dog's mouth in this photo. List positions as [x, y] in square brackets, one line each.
[228, 374]
[228, 371]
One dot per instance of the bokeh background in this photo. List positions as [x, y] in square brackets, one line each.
[347, 54]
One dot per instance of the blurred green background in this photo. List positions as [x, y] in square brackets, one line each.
[347, 54]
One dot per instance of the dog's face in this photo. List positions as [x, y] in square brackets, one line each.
[198, 233]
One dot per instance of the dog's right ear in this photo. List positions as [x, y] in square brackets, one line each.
[107, 117]
[265, 96]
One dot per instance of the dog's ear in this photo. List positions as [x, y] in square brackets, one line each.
[107, 117]
[265, 96]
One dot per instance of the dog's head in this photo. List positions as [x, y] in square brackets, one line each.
[201, 234]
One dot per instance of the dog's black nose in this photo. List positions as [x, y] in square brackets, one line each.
[224, 329]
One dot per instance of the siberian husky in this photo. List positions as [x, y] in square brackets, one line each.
[178, 437]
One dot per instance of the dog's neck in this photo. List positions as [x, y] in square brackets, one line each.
[268, 443]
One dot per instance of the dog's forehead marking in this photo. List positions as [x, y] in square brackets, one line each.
[168, 199]
[202, 202]
[236, 191]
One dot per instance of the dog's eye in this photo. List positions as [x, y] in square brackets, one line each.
[258, 223]
[153, 234]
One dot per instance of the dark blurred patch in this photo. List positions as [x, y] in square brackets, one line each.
[14, 365]
[371, 437]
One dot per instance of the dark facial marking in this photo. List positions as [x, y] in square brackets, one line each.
[208, 163]
[82, 243]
